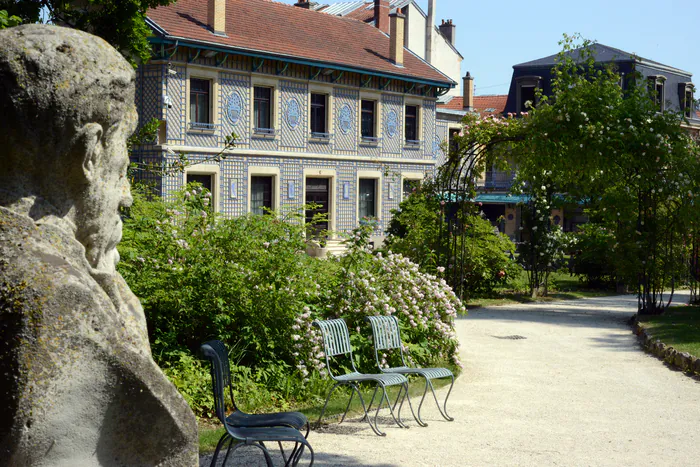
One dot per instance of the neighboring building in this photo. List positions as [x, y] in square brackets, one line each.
[434, 44]
[674, 89]
[326, 109]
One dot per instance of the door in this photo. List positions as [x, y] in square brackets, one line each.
[318, 192]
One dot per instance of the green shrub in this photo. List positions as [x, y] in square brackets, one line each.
[484, 257]
[593, 255]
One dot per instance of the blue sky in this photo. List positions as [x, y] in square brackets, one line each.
[494, 35]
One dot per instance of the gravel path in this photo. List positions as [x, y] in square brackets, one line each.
[577, 391]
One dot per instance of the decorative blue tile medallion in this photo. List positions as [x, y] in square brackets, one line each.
[345, 119]
[293, 113]
[234, 107]
[392, 123]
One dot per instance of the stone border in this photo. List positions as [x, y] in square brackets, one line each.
[680, 360]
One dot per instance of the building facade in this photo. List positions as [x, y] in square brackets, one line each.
[433, 43]
[346, 124]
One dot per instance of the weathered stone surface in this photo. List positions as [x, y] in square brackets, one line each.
[682, 360]
[79, 386]
[696, 366]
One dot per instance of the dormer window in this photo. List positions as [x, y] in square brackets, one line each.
[526, 92]
[657, 88]
[686, 96]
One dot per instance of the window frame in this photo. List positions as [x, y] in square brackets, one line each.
[687, 103]
[526, 82]
[207, 169]
[416, 122]
[198, 93]
[195, 72]
[258, 171]
[375, 175]
[326, 99]
[659, 98]
[331, 175]
[410, 177]
[270, 105]
[375, 107]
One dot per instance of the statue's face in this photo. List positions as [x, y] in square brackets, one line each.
[101, 229]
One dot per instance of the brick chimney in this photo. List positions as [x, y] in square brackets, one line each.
[381, 15]
[216, 17]
[430, 32]
[448, 30]
[303, 4]
[396, 38]
[468, 92]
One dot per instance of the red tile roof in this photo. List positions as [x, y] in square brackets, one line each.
[284, 30]
[484, 105]
[490, 105]
[362, 13]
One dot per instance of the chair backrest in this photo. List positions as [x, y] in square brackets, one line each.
[385, 330]
[215, 351]
[336, 338]
[386, 335]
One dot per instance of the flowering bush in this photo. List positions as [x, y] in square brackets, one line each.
[249, 282]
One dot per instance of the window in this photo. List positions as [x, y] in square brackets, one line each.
[367, 198]
[409, 186]
[261, 194]
[204, 179]
[411, 123]
[687, 99]
[262, 108]
[656, 88]
[318, 114]
[368, 119]
[454, 145]
[527, 98]
[200, 100]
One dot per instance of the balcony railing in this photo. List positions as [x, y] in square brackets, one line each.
[497, 180]
[370, 140]
[264, 132]
[413, 144]
[321, 137]
[197, 126]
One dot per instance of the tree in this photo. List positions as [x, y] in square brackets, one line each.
[122, 23]
[636, 169]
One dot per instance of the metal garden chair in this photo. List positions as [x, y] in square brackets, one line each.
[252, 429]
[336, 341]
[386, 333]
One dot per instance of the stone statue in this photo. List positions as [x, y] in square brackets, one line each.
[78, 384]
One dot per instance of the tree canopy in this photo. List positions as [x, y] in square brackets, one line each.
[122, 23]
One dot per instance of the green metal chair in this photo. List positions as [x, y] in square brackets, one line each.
[386, 334]
[252, 429]
[336, 342]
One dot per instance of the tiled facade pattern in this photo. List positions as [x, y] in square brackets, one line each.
[346, 154]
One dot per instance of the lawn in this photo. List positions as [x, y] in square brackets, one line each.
[562, 286]
[678, 327]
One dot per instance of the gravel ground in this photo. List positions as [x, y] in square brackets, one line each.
[576, 391]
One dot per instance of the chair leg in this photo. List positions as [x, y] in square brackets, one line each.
[391, 410]
[218, 448]
[371, 403]
[347, 407]
[284, 457]
[228, 452]
[301, 451]
[318, 423]
[266, 453]
[420, 406]
[443, 413]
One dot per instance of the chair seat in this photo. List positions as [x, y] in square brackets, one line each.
[387, 379]
[278, 433]
[292, 419]
[430, 373]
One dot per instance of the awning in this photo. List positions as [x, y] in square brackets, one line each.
[501, 198]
